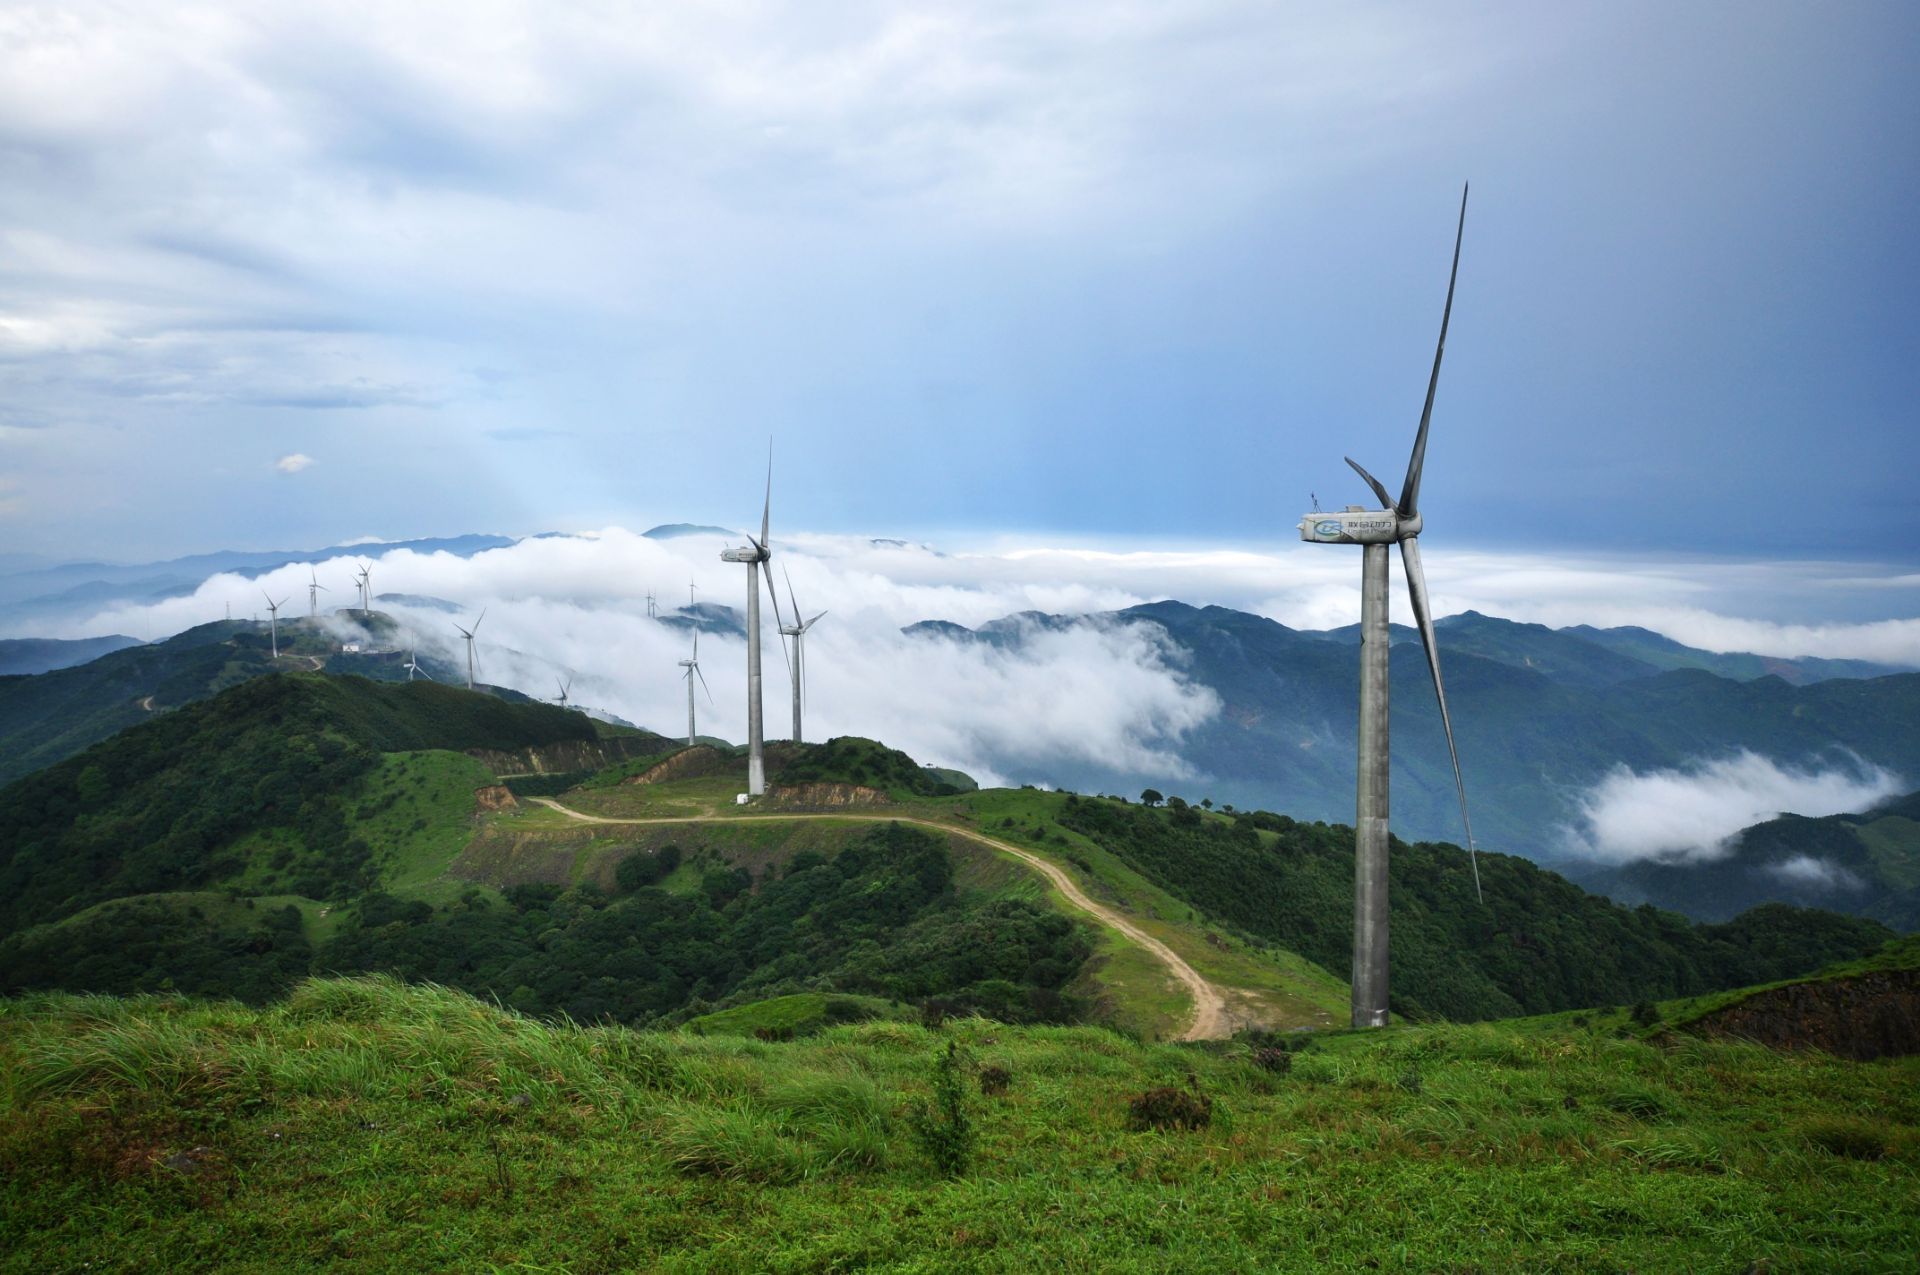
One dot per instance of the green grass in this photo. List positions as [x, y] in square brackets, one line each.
[416, 811]
[800, 1014]
[362, 1125]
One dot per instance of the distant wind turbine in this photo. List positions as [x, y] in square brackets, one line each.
[798, 632]
[468, 635]
[693, 670]
[413, 663]
[366, 587]
[1398, 522]
[753, 554]
[564, 688]
[273, 610]
[314, 590]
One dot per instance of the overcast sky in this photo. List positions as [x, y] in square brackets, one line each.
[286, 274]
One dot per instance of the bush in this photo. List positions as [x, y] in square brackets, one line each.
[942, 1128]
[1272, 1059]
[1169, 1108]
[1645, 1014]
[995, 1080]
[1849, 1138]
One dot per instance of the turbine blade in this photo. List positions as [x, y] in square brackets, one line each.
[779, 621]
[703, 685]
[1423, 617]
[1379, 488]
[1410, 494]
[766, 510]
[476, 623]
[810, 623]
[790, 598]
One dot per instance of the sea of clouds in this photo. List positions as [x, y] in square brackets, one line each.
[1114, 694]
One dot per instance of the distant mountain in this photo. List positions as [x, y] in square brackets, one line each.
[1537, 718]
[76, 587]
[674, 530]
[1665, 653]
[710, 617]
[1586, 656]
[1861, 864]
[41, 655]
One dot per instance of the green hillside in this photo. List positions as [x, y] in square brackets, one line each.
[267, 771]
[366, 1125]
[1538, 943]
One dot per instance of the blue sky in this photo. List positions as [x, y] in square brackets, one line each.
[1074, 271]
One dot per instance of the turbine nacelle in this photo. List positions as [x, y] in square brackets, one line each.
[1356, 526]
[754, 552]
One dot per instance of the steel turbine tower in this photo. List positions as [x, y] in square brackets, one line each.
[468, 635]
[693, 670]
[314, 590]
[273, 610]
[754, 554]
[797, 631]
[1397, 522]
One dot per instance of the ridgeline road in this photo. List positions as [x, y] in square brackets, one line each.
[1209, 1021]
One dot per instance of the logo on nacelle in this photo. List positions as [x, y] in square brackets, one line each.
[1327, 527]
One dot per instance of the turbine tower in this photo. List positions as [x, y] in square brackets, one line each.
[468, 635]
[314, 590]
[273, 610]
[1397, 522]
[753, 554]
[365, 577]
[797, 631]
[693, 670]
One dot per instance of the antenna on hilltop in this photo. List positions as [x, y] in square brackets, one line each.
[1395, 522]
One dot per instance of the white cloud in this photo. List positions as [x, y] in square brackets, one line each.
[1690, 814]
[293, 462]
[1805, 869]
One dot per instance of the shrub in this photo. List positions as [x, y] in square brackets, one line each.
[1274, 1059]
[1169, 1108]
[1645, 1014]
[995, 1080]
[942, 1128]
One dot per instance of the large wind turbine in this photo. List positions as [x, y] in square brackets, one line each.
[753, 554]
[366, 587]
[273, 610]
[1398, 522]
[693, 670]
[314, 590]
[797, 631]
[468, 635]
[564, 688]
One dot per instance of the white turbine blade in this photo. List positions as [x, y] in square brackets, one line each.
[779, 621]
[476, 623]
[1410, 494]
[810, 623]
[703, 685]
[766, 510]
[1423, 617]
[790, 598]
[1379, 488]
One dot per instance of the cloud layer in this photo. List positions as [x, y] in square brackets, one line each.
[1690, 814]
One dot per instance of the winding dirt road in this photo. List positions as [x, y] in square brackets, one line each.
[1209, 1020]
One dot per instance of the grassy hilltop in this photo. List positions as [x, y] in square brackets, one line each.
[365, 1125]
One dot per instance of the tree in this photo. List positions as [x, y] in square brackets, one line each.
[1206, 803]
[1151, 797]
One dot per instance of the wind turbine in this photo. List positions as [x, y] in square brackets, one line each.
[314, 590]
[753, 554]
[273, 610]
[653, 607]
[797, 631]
[1398, 522]
[563, 690]
[413, 662]
[366, 587]
[693, 670]
[468, 635]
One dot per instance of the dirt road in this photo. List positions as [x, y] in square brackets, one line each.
[1209, 1020]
